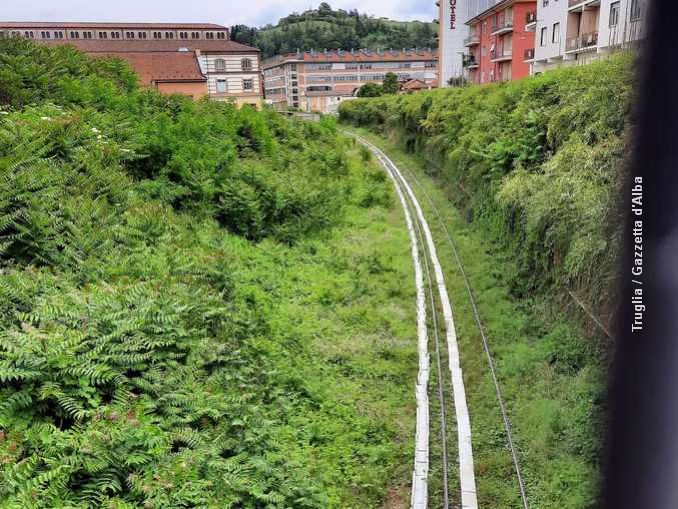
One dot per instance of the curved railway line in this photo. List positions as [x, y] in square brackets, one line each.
[423, 247]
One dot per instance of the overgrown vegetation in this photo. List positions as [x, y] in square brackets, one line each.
[534, 172]
[192, 301]
[325, 28]
[539, 163]
[551, 373]
[390, 85]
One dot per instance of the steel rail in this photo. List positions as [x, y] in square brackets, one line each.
[486, 345]
[466, 467]
[441, 395]
[419, 499]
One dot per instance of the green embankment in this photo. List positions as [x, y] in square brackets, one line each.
[537, 163]
[200, 306]
[527, 176]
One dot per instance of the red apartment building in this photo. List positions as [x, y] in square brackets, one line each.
[500, 46]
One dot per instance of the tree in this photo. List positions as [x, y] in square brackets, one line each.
[390, 85]
[370, 90]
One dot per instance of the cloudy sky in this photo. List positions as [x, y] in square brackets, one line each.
[226, 12]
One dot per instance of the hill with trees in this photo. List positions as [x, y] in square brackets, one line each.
[326, 28]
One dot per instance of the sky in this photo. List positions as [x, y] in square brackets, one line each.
[225, 12]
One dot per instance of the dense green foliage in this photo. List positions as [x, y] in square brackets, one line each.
[390, 85]
[182, 285]
[539, 162]
[537, 168]
[551, 373]
[325, 28]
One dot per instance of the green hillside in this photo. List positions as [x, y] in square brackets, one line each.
[325, 28]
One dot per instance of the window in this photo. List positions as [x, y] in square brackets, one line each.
[544, 36]
[115, 35]
[195, 35]
[614, 14]
[220, 64]
[221, 35]
[545, 3]
[221, 86]
[157, 35]
[142, 35]
[636, 11]
[431, 65]
[87, 35]
[183, 35]
[103, 35]
[129, 35]
[404, 65]
[169, 35]
[351, 66]
[209, 35]
[246, 64]
[58, 35]
[248, 85]
[555, 36]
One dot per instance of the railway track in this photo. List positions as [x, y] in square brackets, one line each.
[430, 282]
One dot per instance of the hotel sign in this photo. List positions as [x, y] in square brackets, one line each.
[453, 14]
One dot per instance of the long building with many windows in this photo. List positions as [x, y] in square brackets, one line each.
[194, 59]
[319, 81]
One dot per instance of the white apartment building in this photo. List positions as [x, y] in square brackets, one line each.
[232, 76]
[571, 32]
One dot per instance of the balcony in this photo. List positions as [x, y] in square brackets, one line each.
[583, 42]
[472, 40]
[529, 55]
[530, 20]
[579, 5]
[501, 55]
[470, 62]
[502, 26]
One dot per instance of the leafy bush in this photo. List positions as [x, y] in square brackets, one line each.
[148, 356]
[538, 162]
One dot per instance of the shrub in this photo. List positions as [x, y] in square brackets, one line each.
[538, 162]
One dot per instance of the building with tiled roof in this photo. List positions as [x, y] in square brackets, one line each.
[320, 80]
[194, 59]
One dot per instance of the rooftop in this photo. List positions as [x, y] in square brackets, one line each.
[356, 55]
[161, 67]
[159, 46]
[64, 25]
